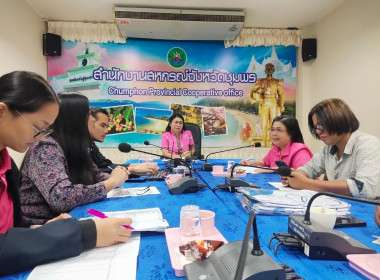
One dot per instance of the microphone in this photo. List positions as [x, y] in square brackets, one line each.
[183, 185]
[147, 143]
[322, 243]
[241, 264]
[208, 166]
[126, 148]
[282, 170]
[171, 157]
[231, 183]
[307, 212]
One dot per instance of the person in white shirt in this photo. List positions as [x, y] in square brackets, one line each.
[350, 159]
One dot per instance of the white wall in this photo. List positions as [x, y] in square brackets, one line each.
[348, 41]
[21, 32]
[347, 64]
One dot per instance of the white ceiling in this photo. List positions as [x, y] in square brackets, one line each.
[259, 13]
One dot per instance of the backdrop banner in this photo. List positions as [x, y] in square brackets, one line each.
[232, 94]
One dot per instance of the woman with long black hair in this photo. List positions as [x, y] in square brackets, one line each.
[28, 107]
[58, 173]
[176, 141]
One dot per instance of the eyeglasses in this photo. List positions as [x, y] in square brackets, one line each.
[178, 122]
[318, 127]
[278, 130]
[39, 133]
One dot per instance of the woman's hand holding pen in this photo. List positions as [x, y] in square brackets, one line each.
[110, 231]
[247, 162]
[117, 178]
[146, 167]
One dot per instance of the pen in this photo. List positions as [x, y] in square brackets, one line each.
[110, 167]
[101, 215]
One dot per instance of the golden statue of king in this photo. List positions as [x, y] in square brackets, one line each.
[270, 95]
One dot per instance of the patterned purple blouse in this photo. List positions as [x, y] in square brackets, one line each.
[46, 190]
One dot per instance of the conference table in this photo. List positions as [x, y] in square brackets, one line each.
[231, 220]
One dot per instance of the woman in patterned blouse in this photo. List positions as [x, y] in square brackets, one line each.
[177, 141]
[58, 173]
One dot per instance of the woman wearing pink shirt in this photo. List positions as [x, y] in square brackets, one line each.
[176, 140]
[288, 145]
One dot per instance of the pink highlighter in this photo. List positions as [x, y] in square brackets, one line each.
[101, 215]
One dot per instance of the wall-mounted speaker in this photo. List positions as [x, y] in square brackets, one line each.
[51, 44]
[309, 49]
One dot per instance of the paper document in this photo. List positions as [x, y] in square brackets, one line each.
[149, 219]
[249, 169]
[287, 202]
[281, 187]
[123, 192]
[110, 263]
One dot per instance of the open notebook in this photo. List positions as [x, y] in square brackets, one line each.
[149, 219]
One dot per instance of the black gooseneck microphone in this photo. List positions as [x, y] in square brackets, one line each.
[171, 158]
[282, 170]
[241, 264]
[231, 183]
[126, 148]
[183, 185]
[322, 243]
[307, 212]
[208, 166]
[147, 143]
[256, 250]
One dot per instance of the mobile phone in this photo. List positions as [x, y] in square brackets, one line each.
[280, 163]
[349, 221]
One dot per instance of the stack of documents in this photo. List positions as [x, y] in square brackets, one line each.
[276, 202]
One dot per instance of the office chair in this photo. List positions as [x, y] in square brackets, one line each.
[197, 136]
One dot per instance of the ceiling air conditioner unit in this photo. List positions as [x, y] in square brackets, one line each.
[178, 24]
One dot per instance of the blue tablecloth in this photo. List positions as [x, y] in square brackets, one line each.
[267, 225]
[231, 219]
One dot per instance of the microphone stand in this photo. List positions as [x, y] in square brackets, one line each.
[322, 243]
[240, 265]
[147, 143]
[183, 185]
[256, 250]
[231, 183]
[307, 212]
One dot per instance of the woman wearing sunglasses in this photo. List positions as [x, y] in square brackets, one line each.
[28, 107]
[350, 159]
